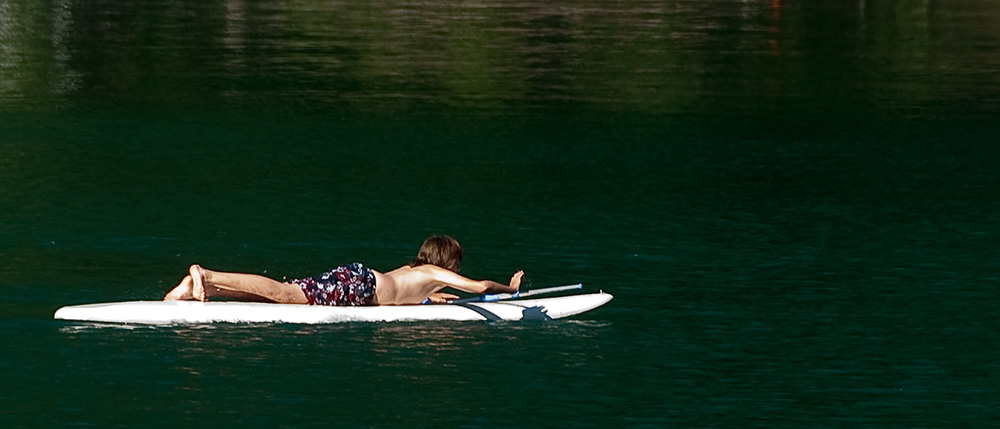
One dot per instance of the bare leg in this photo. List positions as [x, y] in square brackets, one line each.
[215, 291]
[184, 291]
[207, 283]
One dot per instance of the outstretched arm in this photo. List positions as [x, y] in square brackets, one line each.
[451, 279]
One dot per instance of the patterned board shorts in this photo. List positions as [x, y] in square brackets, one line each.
[348, 285]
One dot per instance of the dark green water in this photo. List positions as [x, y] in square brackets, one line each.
[794, 204]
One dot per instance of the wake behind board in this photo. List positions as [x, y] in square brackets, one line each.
[180, 312]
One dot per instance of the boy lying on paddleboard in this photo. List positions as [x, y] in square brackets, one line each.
[436, 267]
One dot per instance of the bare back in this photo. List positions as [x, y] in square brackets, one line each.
[412, 285]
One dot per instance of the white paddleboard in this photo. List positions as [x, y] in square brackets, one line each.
[177, 312]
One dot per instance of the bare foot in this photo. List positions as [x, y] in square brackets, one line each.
[181, 292]
[198, 284]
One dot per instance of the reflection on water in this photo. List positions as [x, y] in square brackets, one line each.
[445, 353]
[792, 201]
[437, 336]
[392, 55]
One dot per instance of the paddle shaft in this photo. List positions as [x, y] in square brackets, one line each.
[518, 294]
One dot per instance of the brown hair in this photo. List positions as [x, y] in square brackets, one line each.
[440, 250]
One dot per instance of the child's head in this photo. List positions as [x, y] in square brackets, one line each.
[440, 250]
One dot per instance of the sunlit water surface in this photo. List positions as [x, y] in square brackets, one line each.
[794, 205]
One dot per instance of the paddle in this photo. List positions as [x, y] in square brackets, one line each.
[518, 294]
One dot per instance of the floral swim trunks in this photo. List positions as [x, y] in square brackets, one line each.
[348, 285]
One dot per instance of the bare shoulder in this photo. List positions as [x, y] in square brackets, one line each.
[427, 274]
[408, 270]
[436, 273]
[409, 275]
